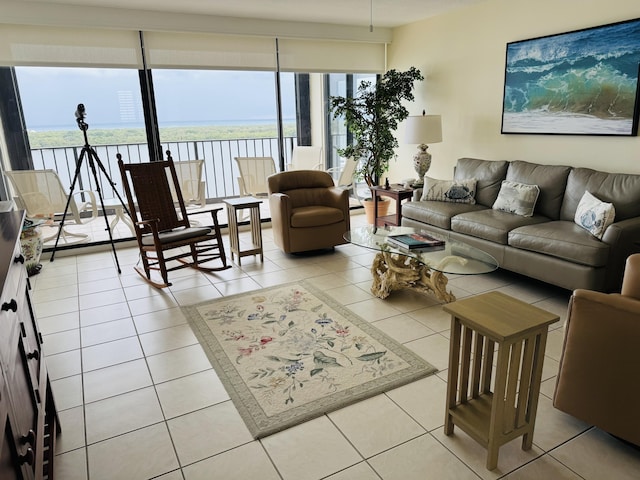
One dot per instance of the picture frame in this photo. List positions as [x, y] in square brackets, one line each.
[583, 82]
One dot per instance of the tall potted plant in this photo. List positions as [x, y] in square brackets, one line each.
[372, 116]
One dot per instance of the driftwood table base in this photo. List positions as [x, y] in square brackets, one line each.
[393, 271]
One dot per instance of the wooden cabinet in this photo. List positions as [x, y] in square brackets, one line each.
[28, 417]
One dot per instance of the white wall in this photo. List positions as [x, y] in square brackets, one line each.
[462, 56]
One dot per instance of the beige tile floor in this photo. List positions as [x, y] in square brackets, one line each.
[138, 398]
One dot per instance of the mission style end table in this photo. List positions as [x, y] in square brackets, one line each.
[253, 204]
[495, 416]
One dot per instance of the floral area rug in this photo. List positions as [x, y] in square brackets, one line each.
[290, 353]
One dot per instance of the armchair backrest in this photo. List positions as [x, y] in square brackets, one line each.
[304, 187]
[631, 280]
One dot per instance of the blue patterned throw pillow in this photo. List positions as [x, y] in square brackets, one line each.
[594, 215]
[456, 191]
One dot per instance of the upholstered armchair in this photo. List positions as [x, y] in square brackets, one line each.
[307, 211]
[600, 364]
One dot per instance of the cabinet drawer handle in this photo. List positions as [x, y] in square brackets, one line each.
[29, 438]
[35, 354]
[12, 305]
[19, 259]
[29, 457]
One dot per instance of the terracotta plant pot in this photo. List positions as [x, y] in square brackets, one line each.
[383, 208]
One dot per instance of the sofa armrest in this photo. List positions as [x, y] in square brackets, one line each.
[599, 363]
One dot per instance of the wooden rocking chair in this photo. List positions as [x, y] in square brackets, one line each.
[161, 224]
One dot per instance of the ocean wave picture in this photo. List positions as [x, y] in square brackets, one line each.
[583, 82]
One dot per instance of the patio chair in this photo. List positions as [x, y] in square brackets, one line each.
[42, 195]
[163, 230]
[306, 158]
[193, 188]
[253, 175]
[346, 177]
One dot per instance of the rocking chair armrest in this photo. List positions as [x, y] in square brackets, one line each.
[213, 210]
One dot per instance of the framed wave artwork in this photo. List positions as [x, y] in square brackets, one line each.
[583, 82]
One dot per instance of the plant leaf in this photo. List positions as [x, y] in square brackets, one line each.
[320, 358]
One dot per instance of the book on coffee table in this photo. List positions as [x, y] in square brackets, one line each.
[415, 241]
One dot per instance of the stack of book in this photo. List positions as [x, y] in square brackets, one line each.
[416, 242]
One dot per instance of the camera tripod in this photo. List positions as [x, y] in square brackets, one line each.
[88, 151]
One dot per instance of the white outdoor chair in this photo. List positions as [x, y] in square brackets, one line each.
[193, 188]
[253, 175]
[42, 195]
[346, 177]
[306, 158]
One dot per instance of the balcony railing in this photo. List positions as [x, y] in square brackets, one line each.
[220, 170]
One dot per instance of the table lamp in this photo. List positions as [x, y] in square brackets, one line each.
[423, 129]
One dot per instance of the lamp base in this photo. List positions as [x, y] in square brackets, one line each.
[421, 164]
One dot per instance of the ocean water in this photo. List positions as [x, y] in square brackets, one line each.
[565, 123]
[587, 73]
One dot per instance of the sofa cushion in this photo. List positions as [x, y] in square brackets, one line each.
[551, 179]
[621, 189]
[492, 225]
[489, 175]
[561, 239]
[455, 191]
[517, 198]
[593, 215]
[438, 214]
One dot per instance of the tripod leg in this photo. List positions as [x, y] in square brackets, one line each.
[111, 182]
[93, 156]
[66, 208]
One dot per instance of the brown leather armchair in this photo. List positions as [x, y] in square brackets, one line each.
[600, 364]
[307, 211]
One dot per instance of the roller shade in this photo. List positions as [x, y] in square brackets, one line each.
[297, 55]
[196, 50]
[23, 45]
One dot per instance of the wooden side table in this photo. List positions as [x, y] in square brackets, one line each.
[233, 206]
[495, 416]
[398, 193]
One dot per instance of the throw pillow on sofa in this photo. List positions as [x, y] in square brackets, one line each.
[594, 215]
[517, 198]
[456, 191]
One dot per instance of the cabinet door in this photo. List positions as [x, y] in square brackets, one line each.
[26, 407]
[10, 468]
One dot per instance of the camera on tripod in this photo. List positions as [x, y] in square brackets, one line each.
[80, 114]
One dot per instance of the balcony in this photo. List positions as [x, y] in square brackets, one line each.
[220, 175]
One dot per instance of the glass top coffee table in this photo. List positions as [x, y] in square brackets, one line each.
[395, 268]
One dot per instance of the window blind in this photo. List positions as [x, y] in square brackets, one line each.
[26, 45]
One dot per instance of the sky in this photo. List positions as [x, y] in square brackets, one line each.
[50, 96]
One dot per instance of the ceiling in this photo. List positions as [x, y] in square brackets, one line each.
[380, 13]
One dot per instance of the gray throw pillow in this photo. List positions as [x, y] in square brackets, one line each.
[517, 198]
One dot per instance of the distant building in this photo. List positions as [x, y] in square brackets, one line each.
[130, 108]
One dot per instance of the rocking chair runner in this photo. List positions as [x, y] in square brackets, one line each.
[162, 225]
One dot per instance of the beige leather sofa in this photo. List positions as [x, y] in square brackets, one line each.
[548, 245]
[598, 376]
[307, 211]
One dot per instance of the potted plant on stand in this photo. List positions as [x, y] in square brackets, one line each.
[372, 116]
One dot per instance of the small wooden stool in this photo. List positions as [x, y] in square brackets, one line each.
[519, 330]
[233, 205]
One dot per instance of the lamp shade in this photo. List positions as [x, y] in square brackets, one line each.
[423, 129]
